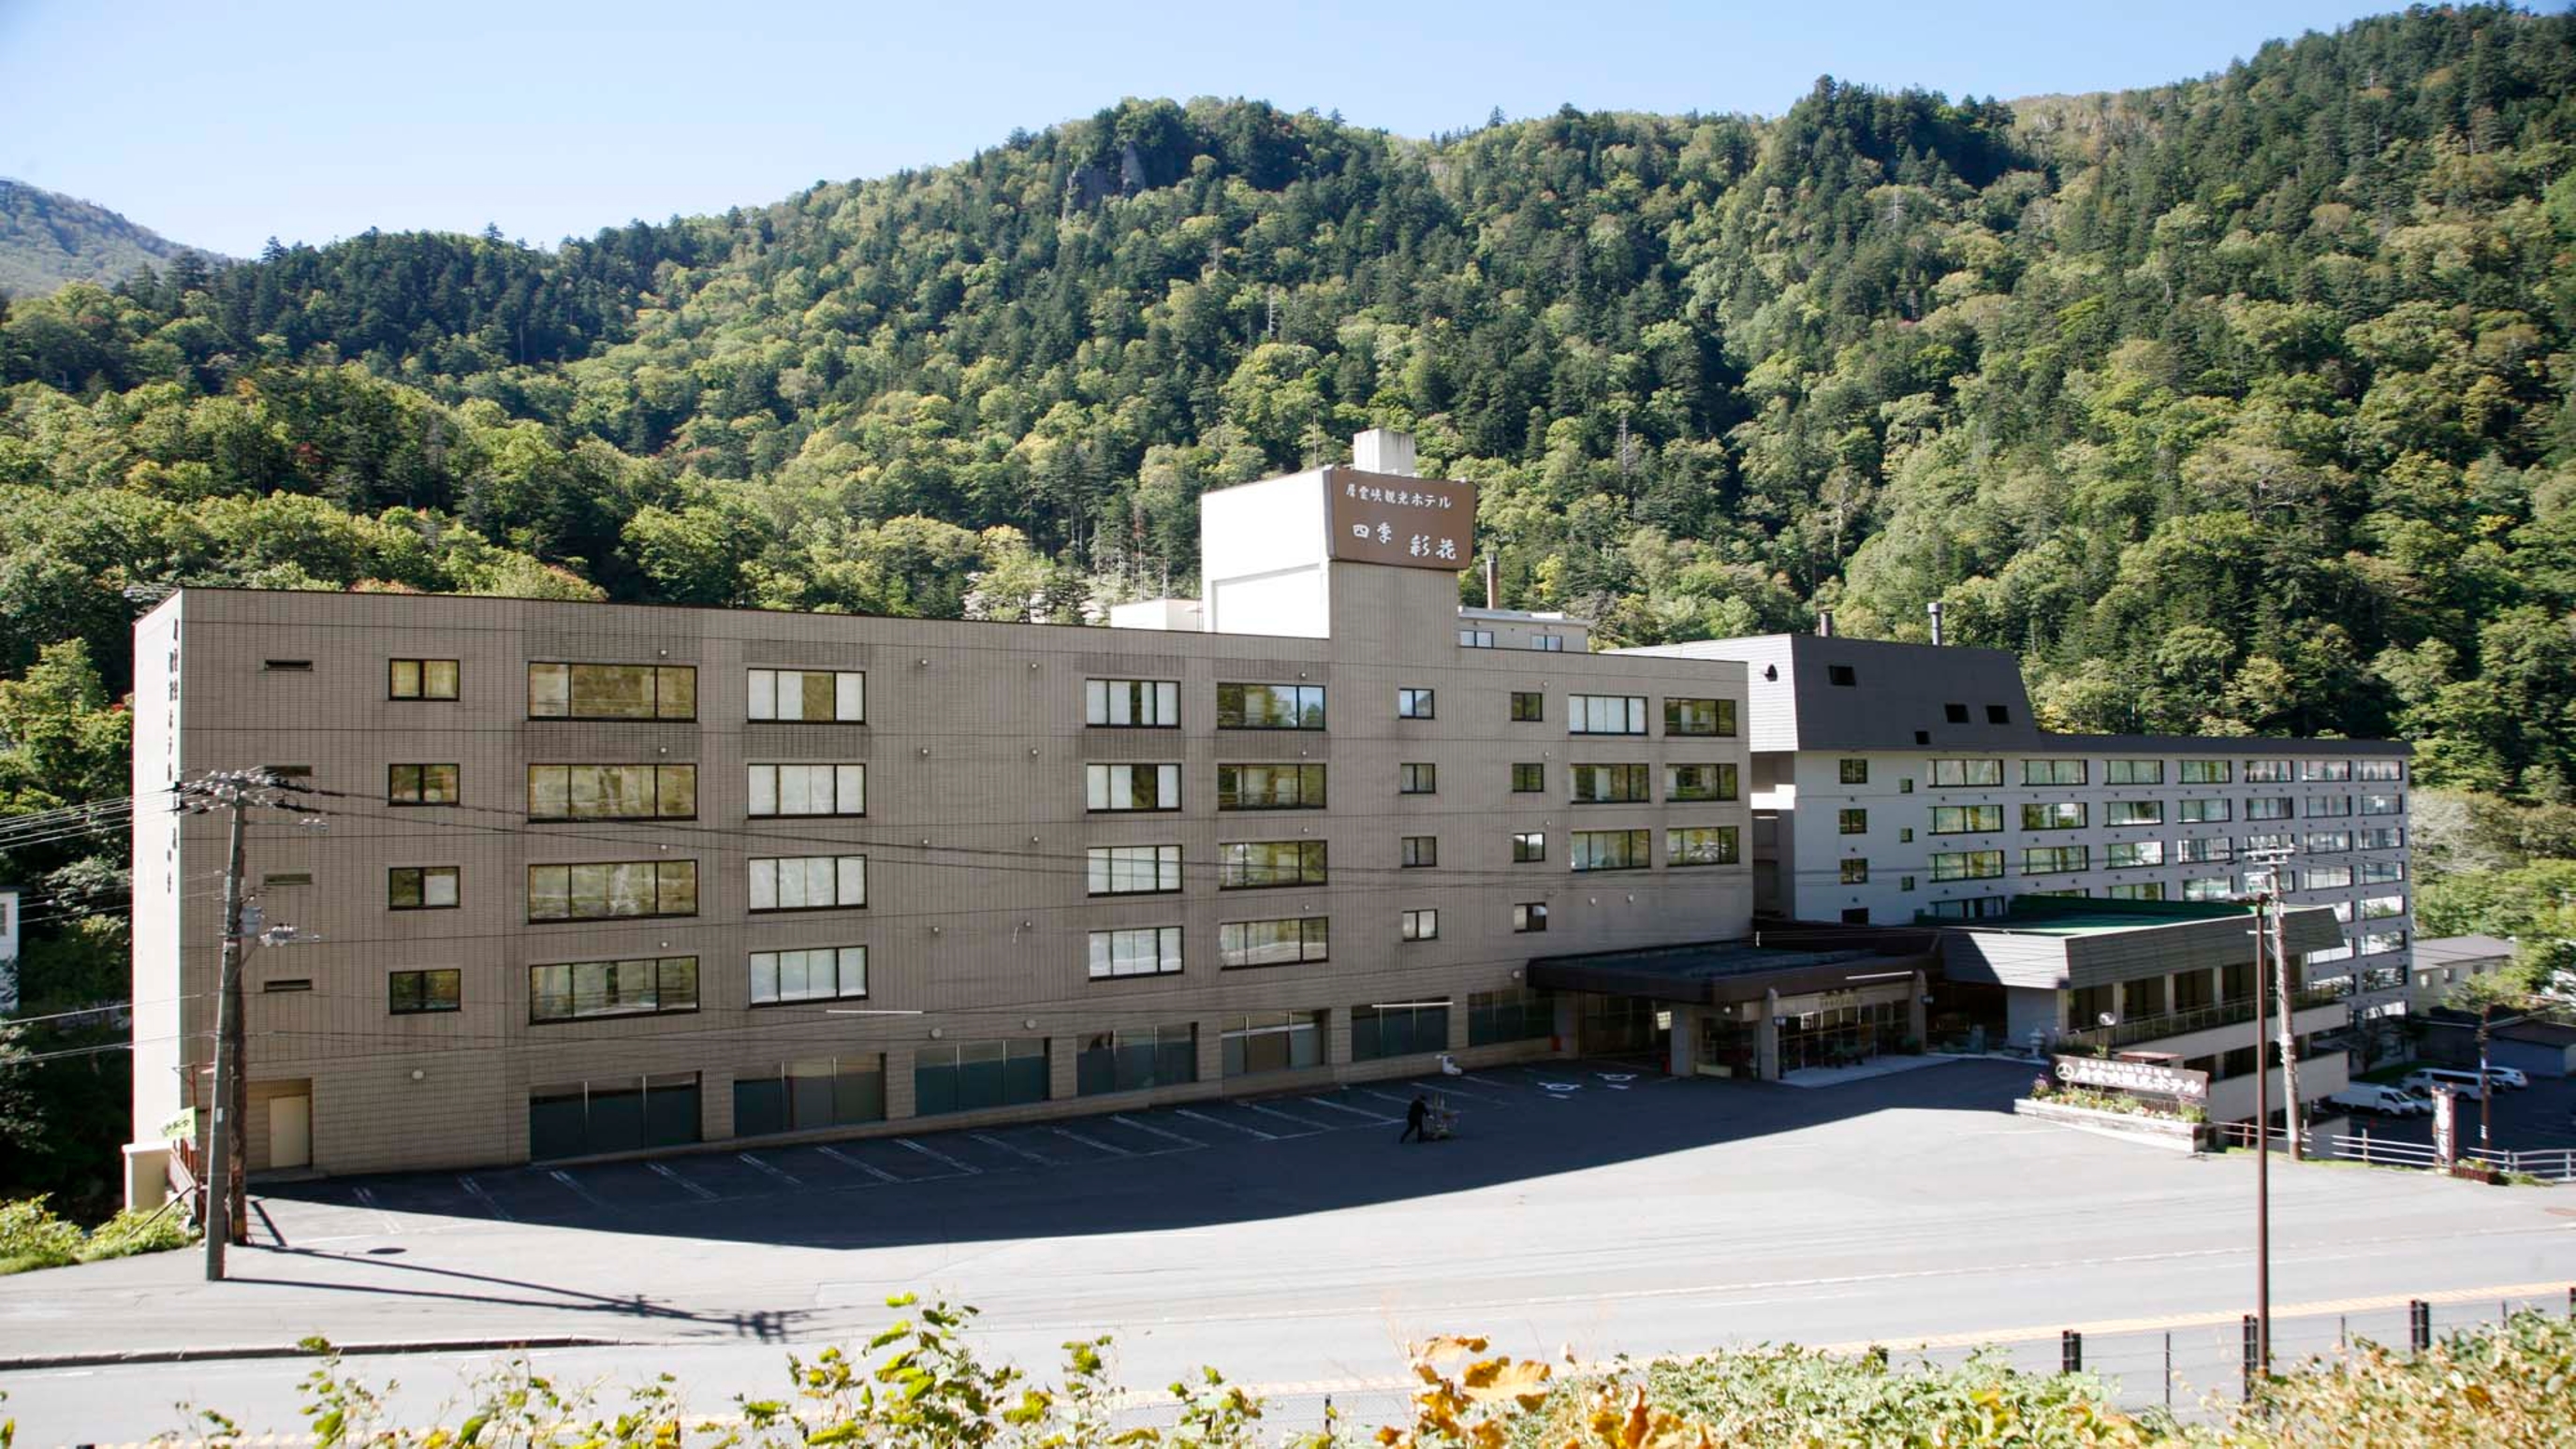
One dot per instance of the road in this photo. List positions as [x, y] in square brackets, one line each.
[1293, 1244]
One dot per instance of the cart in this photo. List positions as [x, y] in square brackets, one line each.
[1442, 1120]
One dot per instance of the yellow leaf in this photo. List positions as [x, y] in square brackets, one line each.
[1503, 1378]
[1448, 1347]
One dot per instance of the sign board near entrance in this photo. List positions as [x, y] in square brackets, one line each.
[2144, 1078]
[1381, 518]
[2446, 1126]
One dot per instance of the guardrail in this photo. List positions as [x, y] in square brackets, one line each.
[2199, 1018]
[2551, 1164]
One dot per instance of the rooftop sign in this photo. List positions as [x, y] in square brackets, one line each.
[1381, 518]
[2141, 1077]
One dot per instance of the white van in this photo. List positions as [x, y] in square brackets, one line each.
[2378, 1097]
[2425, 1079]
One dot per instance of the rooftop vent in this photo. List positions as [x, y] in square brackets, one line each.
[1383, 450]
[1934, 609]
[1824, 623]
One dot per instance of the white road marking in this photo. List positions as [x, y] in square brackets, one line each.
[846, 1160]
[1443, 1086]
[1354, 1111]
[935, 1155]
[991, 1141]
[475, 1191]
[367, 1199]
[1073, 1136]
[1157, 1131]
[1229, 1126]
[1312, 1128]
[782, 1174]
[579, 1191]
[694, 1189]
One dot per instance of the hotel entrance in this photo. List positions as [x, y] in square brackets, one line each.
[1843, 1034]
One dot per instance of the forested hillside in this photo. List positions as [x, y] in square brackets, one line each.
[47, 239]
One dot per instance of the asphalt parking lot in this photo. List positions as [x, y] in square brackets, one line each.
[2534, 1118]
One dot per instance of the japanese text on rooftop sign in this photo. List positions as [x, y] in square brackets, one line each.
[1425, 523]
[2146, 1077]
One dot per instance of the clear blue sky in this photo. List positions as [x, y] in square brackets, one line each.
[223, 124]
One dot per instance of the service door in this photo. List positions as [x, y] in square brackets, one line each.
[290, 1132]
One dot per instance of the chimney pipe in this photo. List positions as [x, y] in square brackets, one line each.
[1824, 623]
[1493, 581]
[1383, 450]
[1934, 609]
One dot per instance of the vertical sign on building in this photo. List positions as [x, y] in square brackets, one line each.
[2446, 1134]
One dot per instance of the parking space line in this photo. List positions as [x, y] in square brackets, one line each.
[574, 1186]
[1157, 1131]
[1072, 1136]
[1038, 1158]
[694, 1189]
[1443, 1086]
[475, 1191]
[1384, 1096]
[1354, 1111]
[367, 1199]
[1311, 1127]
[1221, 1122]
[935, 1155]
[782, 1174]
[846, 1160]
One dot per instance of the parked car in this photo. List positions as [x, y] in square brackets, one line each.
[2464, 1084]
[2508, 1077]
[2387, 1100]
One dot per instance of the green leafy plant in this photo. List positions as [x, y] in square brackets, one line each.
[32, 1237]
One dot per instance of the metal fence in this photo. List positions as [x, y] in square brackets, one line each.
[2550, 1164]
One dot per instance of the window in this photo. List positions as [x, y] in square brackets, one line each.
[1608, 784]
[2133, 812]
[2153, 890]
[1515, 1013]
[270, 881]
[1905, 835]
[2268, 807]
[1259, 864]
[1413, 704]
[421, 993]
[1132, 703]
[1132, 787]
[1968, 865]
[1548, 643]
[810, 696]
[280, 984]
[2325, 769]
[612, 1114]
[287, 666]
[1399, 1029]
[2130, 854]
[976, 1075]
[2327, 842]
[1475, 638]
[1699, 782]
[1143, 951]
[612, 691]
[2378, 907]
[598, 892]
[644, 987]
[1996, 714]
[1700, 845]
[1966, 819]
[1529, 917]
[1951, 774]
[2208, 772]
[420, 784]
[2208, 888]
[2323, 806]
[1134, 870]
[420, 888]
[789, 790]
[804, 1096]
[2203, 812]
[1529, 779]
[614, 792]
[1271, 1041]
[1610, 850]
[2383, 804]
[1905, 882]
[1954, 713]
[809, 883]
[824, 973]
[421, 679]
[2379, 943]
[2381, 872]
[2133, 772]
[1269, 787]
[1851, 822]
[1605, 714]
[1528, 846]
[2200, 849]
[2271, 842]
[1855, 871]
[2063, 815]
[2267, 772]
[1135, 1058]
[2052, 772]
[1841, 676]
[1270, 706]
[1418, 851]
[1856, 915]
[1422, 925]
[1971, 908]
[1905, 786]
[1855, 772]
[1529, 706]
[2378, 770]
[1290, 941]
[1699, 716]
[1417, 779]
[2056, 859]
[2380, 837]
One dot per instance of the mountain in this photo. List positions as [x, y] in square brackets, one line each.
[47, 239]
[2238, 405]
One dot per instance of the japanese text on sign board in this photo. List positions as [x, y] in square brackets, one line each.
[1415, 522]
[2145, 1077]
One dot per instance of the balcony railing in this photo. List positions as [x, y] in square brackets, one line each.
[2199, 1018]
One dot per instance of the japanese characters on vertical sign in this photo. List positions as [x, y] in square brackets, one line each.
[2446, 1129]
[1423, 523]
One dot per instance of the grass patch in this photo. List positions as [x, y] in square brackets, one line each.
[31, 1237]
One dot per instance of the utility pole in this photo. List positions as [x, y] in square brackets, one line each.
[2289, 1030]
[2262, 881]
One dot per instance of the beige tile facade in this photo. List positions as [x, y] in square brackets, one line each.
[975, 839]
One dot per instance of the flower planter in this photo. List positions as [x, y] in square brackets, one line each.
[2170, 1133]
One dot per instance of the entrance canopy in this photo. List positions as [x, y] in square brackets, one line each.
[1724, 973]
[2063, 943]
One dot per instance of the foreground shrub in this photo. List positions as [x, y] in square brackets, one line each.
[131, 1232]
[32, 1237]
[2509, 1386]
